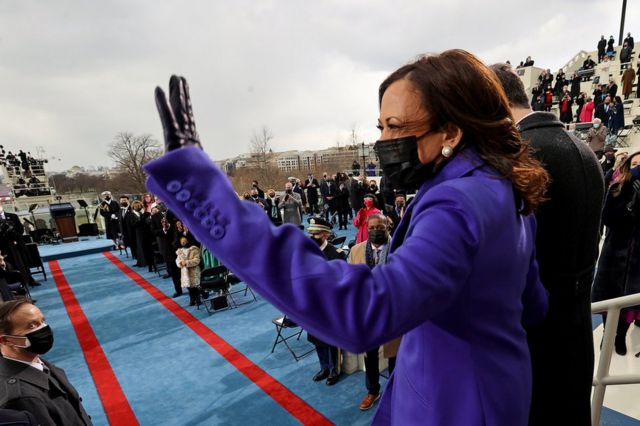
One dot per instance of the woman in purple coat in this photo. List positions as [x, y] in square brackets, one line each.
[461, 279]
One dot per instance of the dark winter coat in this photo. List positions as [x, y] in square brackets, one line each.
[619, 264]
[109, 211]
[567, 249]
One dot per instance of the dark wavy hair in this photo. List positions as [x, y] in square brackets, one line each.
[625, 174]
[458, 89]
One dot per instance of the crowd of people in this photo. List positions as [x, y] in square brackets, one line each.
[25, 172]
[604, 103]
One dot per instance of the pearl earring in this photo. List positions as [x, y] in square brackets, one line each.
[447, 151]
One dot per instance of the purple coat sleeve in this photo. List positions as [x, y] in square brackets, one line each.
[345, 305]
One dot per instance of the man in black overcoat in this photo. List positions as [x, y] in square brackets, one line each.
[567, 249]
[109, 209]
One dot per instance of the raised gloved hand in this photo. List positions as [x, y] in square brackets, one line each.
[177, 115]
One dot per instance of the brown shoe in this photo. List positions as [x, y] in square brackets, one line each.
[368, 401]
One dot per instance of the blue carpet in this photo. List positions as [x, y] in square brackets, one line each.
[86, 245]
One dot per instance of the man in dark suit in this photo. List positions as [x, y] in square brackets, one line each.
[109, 210]
[30, 382]
[272, 207]
[567, 249]
[329, 190]
[603, 111]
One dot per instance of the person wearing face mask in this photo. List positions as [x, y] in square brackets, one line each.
[374, 252]
[461, 282]
[329, 356]
[30, 382]
[291, 204]
[596, 137]
[362, 217]
[272, 207]
[618, 272]
[124, 222]
[109, 210]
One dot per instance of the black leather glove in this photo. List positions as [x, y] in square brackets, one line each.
[177, 115]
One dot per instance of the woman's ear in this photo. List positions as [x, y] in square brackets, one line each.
[452, 135]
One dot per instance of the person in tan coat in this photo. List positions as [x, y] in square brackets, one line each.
[596, 137]
[627, 82]
[188, 260]
[374, 252]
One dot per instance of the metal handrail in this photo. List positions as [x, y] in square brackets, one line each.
[602, 378]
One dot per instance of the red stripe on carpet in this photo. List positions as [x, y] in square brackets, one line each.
[114, 401]
[296, 406]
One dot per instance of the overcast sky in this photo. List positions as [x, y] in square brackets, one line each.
[75, 73]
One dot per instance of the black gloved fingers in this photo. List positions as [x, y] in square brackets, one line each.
[178, 103]
[169, 123]
[190, 121]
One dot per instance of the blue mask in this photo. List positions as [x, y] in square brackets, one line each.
[635, 173]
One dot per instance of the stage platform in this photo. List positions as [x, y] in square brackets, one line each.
[86, 245]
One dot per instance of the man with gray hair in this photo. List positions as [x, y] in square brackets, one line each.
[596, 137]
[567, 249]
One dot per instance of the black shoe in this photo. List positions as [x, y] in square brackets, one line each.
[332, 380]
[321, 375]
[621, 346]
[177, 294]
[35, 284]
[165, 276]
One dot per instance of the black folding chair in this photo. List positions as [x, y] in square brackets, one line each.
[234, 281]
[213, 280]
[283, 323]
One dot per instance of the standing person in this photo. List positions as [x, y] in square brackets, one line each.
[342, 200]
[30, 382]
[328, 189]
[396, 212]
[361, 219]
[627, 82]
[567, 252]
[580, 101]
[566, 115]
[466, 244]
[148, 202]
[329, 355]
[259, 191]
[375, 252]
[291, 206]
[188, 260]
[272, 207]
[619, 265]
[125, 224]
[611, 51]
[602, 46]
[109, 210]
[616, 122]
[356, 194]
[312, 185]
[586, 114]
[168, 236]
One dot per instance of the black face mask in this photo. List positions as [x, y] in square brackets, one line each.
[318, 241]
[124, 204]
[400, 163]
[378, 236]
[41, 340]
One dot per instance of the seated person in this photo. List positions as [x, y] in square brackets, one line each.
[8, 275]
[588, 63]
[31, 383]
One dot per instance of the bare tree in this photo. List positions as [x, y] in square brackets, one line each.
[260, 147]
[131, 152]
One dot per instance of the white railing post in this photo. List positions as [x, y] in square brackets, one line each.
[603, 379]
